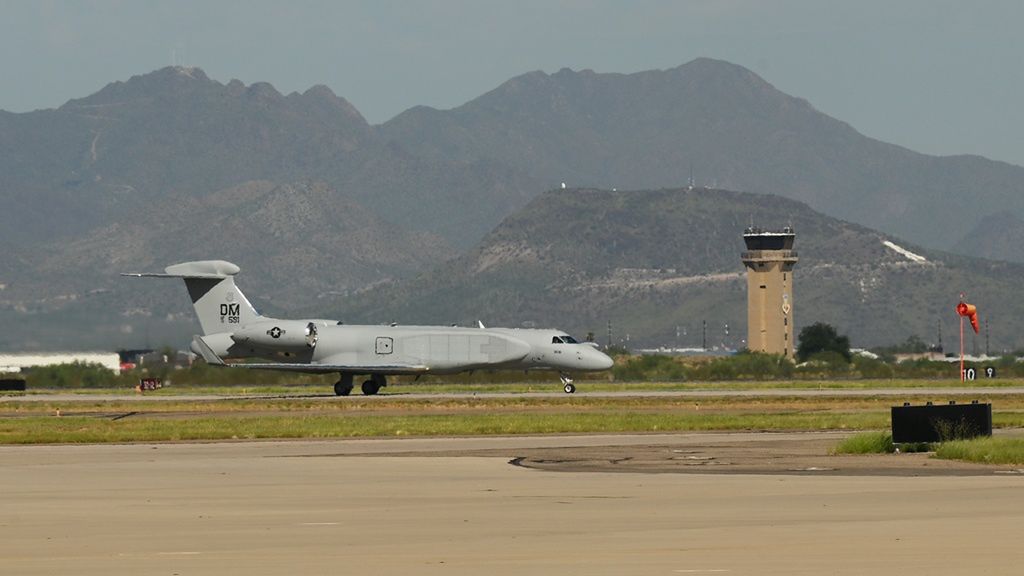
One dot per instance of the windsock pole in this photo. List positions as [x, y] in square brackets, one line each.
[963, 375]
[965, 310]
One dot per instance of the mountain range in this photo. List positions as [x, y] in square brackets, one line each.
[316, 203]
[728, 128]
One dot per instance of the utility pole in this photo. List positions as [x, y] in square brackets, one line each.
[704, 335]
[609, 334]
[986, 336]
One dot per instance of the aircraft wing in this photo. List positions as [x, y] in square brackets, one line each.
[315, 368]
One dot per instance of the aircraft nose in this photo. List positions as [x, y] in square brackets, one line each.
[597, 360]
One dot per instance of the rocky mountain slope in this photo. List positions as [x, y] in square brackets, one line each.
[175, 133]
[998, 236]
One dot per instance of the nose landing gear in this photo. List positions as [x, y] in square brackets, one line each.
[567, 384]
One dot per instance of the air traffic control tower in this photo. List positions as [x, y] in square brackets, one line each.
[770, 259]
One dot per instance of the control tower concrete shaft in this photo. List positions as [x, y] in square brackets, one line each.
[769, 260]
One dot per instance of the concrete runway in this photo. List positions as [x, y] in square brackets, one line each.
[414, 506]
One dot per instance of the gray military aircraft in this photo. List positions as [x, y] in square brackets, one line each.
[233, 329]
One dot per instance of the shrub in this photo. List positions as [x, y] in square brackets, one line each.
[877, 442]
[871, 368]
[76, 375]
[821, 337]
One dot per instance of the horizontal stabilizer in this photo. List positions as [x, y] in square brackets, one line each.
[198, 269]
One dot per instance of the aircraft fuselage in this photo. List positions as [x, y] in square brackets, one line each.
[421, 349]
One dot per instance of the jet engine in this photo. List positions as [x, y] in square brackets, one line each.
[278, 335]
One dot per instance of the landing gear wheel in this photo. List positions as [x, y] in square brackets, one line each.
[569, 388]
[370, 388]
[567, 383]
[344, 385]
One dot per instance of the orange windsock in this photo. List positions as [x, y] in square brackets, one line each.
[969, 310]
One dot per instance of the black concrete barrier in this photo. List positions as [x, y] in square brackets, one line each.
[12, 385]
[940, 422]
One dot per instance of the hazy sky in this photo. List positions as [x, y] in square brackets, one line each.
[938, 77]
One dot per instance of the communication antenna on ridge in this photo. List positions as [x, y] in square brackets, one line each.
[689, 183]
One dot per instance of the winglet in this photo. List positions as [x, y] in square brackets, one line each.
[203, 349]
[480, 324]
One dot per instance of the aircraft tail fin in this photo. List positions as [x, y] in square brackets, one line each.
[219, 304]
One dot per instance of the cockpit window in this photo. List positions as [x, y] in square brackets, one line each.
[556, 340]
[564, 340]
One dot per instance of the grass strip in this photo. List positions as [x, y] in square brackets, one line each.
[82, 429]
[983, 450]
[1009, 408]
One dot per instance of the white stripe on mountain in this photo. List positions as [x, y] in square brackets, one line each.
[904, 252]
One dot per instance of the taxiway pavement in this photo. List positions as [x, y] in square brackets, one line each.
[437, 506]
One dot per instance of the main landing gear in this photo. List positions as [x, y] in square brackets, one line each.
[370, 387]
[374, 384]
[343, 387]
[567, 384]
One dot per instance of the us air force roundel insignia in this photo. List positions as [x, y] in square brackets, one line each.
[275, 332]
